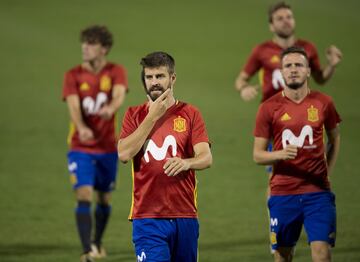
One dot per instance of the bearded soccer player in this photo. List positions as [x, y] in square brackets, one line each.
[295, 120]
[265, 57]
[94, 91]
[167, 141]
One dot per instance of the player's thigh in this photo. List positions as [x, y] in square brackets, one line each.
[81, 168]
[106, 172]
[185, 247]
[320, 217]
[285, 220]
[151, 239]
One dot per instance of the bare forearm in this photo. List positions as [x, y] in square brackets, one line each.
[131, 145]
[119, 94]
[241, 81]
[262, 157]
[201, 161]
[332, 153]
[327, 72]
[76, 114]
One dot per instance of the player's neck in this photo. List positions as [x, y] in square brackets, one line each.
[297, 95]
[94, 66]
[171, 102]
[284, 42]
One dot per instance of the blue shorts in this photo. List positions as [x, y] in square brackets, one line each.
[165, 240]
[316, 211]
[97, 170]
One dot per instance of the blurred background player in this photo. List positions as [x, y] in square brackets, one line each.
[266, 57]
[166, 140]
[295, 120]
[94, 91]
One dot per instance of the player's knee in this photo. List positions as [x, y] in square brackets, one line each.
[84, 193]
[320, 252]
[284, 254]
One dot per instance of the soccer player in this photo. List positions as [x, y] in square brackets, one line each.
[94, 91]
[166, 140]
[265, 57]
[295, 120]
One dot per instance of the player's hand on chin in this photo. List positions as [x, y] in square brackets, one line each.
[158, 107]
[175, 165]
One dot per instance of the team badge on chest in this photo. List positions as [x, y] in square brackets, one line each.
[313, 114]
[105, 83]
[179, 124]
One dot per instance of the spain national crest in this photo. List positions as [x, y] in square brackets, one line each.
[105, 83]
[313, 114]
[179, 124]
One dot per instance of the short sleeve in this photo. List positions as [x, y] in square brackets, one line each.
[332, 118]
[69, 85]
[263, 123]
[253, 63]
[198, 130]
[128, 124]
[314, 60]
[120, 76]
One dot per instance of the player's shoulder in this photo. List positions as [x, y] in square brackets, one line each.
[277, 98]
[305, 44]
[320, 96]
[187, 107]
[74, 70]
[137, 109]
[264, 45]
[114, 66]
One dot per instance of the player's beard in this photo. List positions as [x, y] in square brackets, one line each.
[285, 34]
[295, 85]
[154, 88]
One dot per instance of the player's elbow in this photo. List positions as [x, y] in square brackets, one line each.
[257, 159]
[123, 156]
[209, 161]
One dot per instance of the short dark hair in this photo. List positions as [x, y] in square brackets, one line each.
[97, 34]
[157, 59]
[273, 8]
[294, 50]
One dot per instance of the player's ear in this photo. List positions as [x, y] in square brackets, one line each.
[309, 72]
[173, 78]
[271, 27]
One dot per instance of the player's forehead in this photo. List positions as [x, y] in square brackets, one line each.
[293, 58]
[156, 70]
[282, 12]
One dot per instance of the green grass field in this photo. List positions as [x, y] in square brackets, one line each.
[210, 41]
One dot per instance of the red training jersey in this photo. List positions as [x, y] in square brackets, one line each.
[94, 91]
[266, 58]
[156, 195]
[287, 122]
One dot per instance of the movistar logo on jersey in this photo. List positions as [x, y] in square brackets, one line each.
[159, 153]
[288, 137]
[91, 106]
